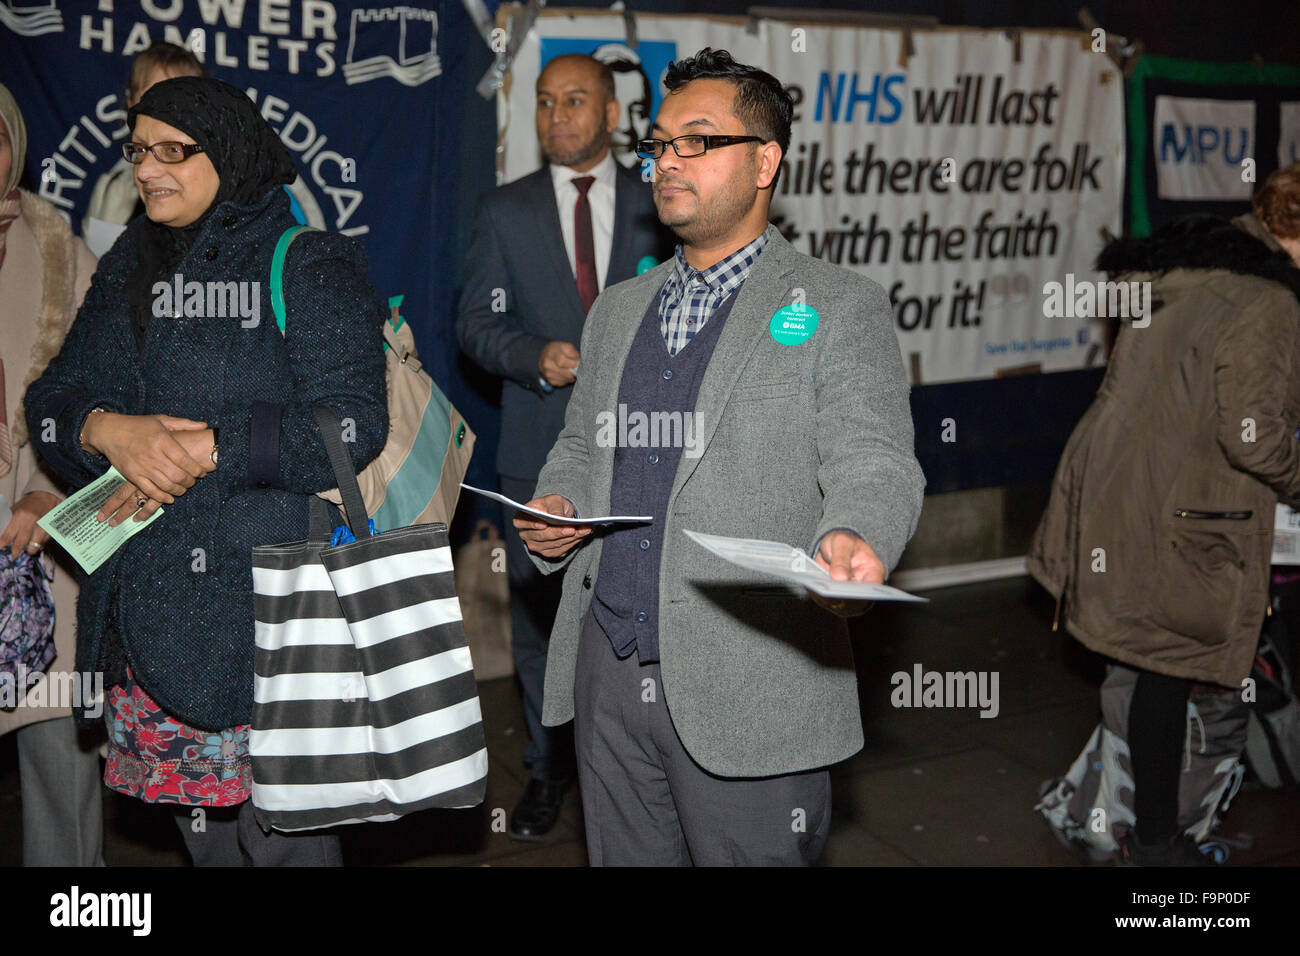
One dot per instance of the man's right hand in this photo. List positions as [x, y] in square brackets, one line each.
[557, 363]
[550, 540]
[144, 450]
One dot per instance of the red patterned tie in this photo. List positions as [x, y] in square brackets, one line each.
[584, 246]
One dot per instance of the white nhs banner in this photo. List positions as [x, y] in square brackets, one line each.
[1199, 147]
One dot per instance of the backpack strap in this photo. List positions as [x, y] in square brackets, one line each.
[277, 272]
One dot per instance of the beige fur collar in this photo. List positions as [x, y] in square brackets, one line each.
[56, 245]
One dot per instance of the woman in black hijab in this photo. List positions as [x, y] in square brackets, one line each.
[242, 159]
[206, 410]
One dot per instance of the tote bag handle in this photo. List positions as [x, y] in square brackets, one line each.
[354, 506]
[327, 422]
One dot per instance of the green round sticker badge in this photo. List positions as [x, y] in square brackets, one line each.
[793, 324]
[645, 264]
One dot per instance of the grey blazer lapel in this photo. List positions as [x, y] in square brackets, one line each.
[549, 241]
[765, 290]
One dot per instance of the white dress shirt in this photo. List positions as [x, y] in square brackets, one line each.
[601, 198]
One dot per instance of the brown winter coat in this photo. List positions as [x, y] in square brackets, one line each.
[1158, 534]
[45, 274]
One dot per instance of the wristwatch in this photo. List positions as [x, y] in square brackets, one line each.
[215, 438]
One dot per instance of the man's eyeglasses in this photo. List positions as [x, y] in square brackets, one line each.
[687, 146]
[163, 152]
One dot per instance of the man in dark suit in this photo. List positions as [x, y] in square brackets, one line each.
[544, 246]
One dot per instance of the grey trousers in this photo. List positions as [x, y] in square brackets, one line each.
[230, 836]
[534, 598]
[63, 795]
[647, 803]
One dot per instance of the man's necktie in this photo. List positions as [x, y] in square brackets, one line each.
[584, 246]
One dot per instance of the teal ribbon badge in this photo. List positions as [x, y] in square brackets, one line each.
[793, 324]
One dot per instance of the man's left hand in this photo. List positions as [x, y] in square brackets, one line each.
[848, 558]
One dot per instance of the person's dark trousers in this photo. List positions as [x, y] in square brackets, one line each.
[230, 836]
[1157, 729]
[647, 803]
[534, 598]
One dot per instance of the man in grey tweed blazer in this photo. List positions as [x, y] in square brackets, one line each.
[707, 702]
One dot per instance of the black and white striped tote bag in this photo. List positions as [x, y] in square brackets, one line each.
[364, 701]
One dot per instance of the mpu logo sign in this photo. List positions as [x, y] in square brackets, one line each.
[1200, 145]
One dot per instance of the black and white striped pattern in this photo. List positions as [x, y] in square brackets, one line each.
[364, 701]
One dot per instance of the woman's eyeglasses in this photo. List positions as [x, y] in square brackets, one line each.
[163, 152]
[687, 146]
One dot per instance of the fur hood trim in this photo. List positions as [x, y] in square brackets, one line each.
[57, 248]
[1241, 246]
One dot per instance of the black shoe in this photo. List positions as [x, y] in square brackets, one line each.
[1179, 851]
[535, 814]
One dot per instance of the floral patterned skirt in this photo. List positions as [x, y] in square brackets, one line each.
[158, 759]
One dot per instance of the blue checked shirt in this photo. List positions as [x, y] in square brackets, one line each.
[690, 297]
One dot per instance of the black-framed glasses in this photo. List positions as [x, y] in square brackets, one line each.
[690, 145]
[163, 152]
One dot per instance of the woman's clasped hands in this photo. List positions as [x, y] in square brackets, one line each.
[160, 456]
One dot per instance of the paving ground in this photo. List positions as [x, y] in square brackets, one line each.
[931, 786]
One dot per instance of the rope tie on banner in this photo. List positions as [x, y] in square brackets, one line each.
[478, 12]
[518, 28]
[1122, 52]
[629, 28]
[908, 50]
[1014, 36]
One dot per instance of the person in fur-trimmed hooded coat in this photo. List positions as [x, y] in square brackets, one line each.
[1175, 469]
[1157, 538]
[44, 273]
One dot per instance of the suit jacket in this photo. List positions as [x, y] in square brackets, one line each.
[798, 440]
[518, 247]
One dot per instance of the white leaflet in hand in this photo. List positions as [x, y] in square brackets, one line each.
[794, 566]
[558, 519]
